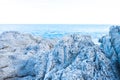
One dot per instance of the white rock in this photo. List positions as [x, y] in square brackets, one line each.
[74, 57]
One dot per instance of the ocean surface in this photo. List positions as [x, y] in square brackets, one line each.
[58, 30]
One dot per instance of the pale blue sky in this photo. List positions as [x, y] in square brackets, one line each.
[60, 11]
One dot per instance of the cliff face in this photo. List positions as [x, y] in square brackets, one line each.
[110, 45]
[74, 57]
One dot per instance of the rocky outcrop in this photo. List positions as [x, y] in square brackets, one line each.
[110, 46]
[17, 53]
[78, 58]
[74, 57]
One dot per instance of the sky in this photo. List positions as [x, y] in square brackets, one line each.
[59, 12]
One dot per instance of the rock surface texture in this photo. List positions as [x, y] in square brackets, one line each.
[110, 46]
[74, 57]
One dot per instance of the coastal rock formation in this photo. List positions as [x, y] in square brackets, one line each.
[76, 57]
[17, 53]
[110, 45]
[73, 57]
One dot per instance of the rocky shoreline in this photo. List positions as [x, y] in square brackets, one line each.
[73, 57]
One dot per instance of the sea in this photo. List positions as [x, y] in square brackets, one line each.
[96, 31]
